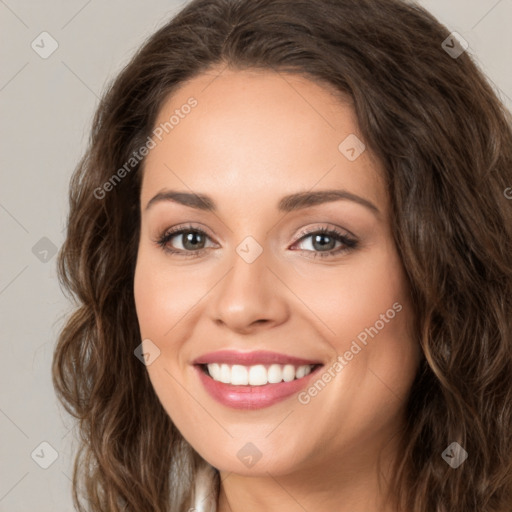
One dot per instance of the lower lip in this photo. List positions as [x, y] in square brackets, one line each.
[252, 397]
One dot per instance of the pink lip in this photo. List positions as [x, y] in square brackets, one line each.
[251, 358]
[251, 397]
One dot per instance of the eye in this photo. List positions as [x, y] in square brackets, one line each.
[192, 243]
[323, 242]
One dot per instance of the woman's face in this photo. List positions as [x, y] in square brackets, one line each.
[265, 148]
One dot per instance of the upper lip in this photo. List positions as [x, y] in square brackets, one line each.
[251, 358]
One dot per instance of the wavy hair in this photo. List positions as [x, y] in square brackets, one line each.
[445, 139]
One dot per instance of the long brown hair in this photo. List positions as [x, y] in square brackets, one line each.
[445, 140]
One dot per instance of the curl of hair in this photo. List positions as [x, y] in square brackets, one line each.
[445, 140]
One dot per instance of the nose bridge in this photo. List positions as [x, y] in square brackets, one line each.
[249, 264]
[247, 293]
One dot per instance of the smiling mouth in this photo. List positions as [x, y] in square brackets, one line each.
[256, 375]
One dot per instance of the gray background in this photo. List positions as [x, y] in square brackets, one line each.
[46, 110]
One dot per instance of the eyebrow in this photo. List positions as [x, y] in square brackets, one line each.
[292, 202]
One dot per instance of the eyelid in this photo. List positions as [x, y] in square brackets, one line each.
[187, 226]
[309, 231]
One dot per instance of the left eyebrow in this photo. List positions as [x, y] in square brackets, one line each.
[297, 201]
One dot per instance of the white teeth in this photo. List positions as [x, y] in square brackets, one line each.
[288, 373]
[257, 375]
[275, 374]
[301, 371]
[239, 375]
[214, 370]
[225, 374]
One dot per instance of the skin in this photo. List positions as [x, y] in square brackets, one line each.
[254, 137]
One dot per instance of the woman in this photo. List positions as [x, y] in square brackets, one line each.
[259, 369]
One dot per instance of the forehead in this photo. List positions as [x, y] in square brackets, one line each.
[255, 136]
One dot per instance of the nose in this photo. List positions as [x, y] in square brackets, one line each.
[250, 297]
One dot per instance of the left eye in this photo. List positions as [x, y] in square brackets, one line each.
[323, 248]
[324, 240]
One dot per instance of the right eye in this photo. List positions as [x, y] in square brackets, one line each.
[190, 237]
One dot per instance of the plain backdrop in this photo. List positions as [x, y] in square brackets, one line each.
[46, 109]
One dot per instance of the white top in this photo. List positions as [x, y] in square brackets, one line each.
[205, 495]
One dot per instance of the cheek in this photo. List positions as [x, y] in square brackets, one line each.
[370, 320]
[162, 298]
[350, 300]
[162, 295]
[151, 296]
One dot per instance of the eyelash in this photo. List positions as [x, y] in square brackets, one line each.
[348, 242]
